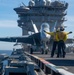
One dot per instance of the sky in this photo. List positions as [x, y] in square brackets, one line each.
[8, 20]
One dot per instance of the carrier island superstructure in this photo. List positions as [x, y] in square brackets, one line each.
[40, 11]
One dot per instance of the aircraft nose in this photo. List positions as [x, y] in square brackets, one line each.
[45, 36]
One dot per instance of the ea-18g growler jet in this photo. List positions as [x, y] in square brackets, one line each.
[39, 38]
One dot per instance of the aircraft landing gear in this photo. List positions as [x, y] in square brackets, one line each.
[44, 48]
[42, 51]
[46, 51]
[31, 51]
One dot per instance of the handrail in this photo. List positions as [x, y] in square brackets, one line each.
[48, 67]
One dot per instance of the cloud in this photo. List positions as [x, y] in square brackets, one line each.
[8, 23]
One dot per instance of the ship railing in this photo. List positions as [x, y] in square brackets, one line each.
[61, 4]
[47, 67]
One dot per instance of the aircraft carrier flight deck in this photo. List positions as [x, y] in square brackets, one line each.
[66, 63]
[36, 18]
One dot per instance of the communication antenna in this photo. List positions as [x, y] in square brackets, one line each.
[23, 4]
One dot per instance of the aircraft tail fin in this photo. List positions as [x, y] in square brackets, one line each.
[34, 26]
[54, 27]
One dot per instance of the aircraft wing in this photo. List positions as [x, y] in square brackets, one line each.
[69, 40]
[18, 39]
[23, 39]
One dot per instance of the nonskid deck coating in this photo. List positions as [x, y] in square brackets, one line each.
[66, 63]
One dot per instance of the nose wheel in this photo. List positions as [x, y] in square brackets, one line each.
[31, 50]
[44, 51]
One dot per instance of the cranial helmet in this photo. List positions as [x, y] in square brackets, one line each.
[62, 28]
[58, 29]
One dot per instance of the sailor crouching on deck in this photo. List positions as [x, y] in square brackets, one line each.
[55, 40]
[62, 36]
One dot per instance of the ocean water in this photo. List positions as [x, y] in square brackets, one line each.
[7, 52]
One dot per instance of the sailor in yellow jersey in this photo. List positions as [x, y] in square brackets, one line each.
[55, 40]
[62, 36]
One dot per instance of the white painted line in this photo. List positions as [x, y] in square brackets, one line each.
[65, 67]
[64, 72]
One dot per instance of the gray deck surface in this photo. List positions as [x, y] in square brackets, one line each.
[66, 63]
